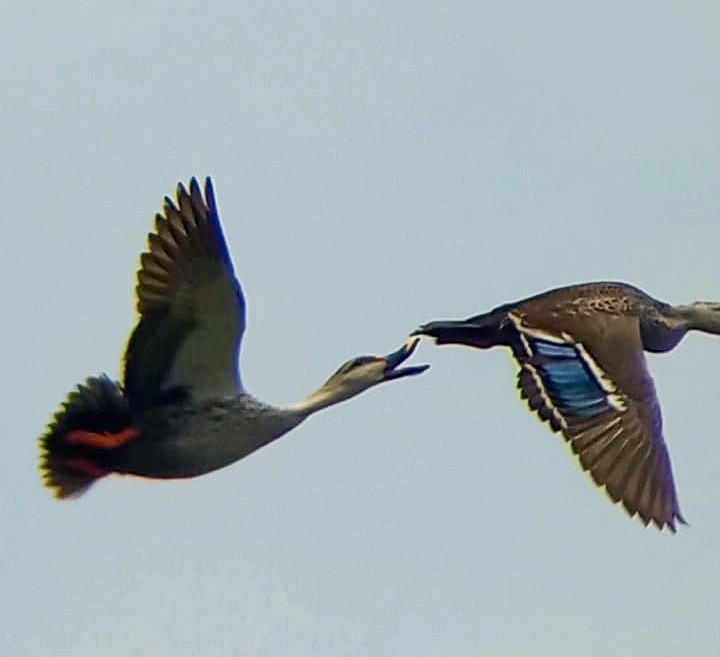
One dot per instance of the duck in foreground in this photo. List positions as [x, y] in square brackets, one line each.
[181, 410]
[582, 370]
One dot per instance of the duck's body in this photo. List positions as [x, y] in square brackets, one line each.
[582, 369]
[571, 305]
[197, 437]
[182, 410]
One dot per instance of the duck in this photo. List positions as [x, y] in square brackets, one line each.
[181, 409]
[582, 370]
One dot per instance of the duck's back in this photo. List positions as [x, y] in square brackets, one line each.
[606, 296]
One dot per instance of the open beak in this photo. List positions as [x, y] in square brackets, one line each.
[396, 358]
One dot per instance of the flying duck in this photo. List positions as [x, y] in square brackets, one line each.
[583, 371]
[181, 409]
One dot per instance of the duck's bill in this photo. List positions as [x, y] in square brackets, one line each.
[397, 358]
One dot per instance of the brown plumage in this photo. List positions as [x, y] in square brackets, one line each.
[583, 371]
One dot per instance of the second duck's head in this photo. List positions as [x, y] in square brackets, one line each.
[363, 372]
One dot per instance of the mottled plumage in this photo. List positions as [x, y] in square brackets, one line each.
[181, 410]
[582, 370]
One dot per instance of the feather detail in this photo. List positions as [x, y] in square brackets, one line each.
[77, 447]
[192, 310]
[618, 440]
[569, 381]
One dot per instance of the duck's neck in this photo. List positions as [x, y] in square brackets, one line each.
[321, 398]
[699, 316]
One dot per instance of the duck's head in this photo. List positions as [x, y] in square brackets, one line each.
[363, 372]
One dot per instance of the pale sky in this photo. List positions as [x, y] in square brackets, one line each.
[377, 165]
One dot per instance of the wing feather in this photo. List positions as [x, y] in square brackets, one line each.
[191, 306]
[597, 392]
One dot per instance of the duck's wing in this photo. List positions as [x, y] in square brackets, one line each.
[587, 377]
[191, 306]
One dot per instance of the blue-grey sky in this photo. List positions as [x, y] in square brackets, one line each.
[377, 165]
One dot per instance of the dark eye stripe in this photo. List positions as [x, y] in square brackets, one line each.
[356, 362]
[362, 360]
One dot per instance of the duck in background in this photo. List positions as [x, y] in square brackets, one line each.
[580, 350]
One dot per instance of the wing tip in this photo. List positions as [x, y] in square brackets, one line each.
[670, 521]
[181, 190]
[672, 524]
[193, 190]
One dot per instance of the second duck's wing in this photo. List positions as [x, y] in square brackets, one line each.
[588, 379]
[191, 306]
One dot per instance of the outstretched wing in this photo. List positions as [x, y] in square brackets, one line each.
[192, 310]
[591, 384]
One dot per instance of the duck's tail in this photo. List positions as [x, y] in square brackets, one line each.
[75, 451]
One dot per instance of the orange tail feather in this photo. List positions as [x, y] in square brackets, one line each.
[76, 449]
